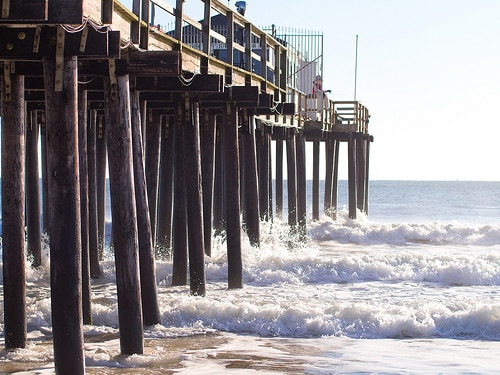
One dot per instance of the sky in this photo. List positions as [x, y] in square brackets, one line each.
[428, 71]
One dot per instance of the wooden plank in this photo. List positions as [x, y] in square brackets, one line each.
[17, 43]
[284, 109]
[24, 11]
[198, 83]
[66, 12]
[151, 63]
[248, 94]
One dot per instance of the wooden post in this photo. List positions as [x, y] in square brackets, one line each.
[152, 153]
[144, 25]
[327, 205]
[192, 163]
[180, 245]
[45, 179]
[292, 177]
[92, 191]
[351, 166]
[360, 169]
[315, 186]
[219, 201]
[251, 194]
[367, 169]
[208, 170]
[279, 178]
[264, 173]
[335, 179]
[270, 176]
[232, 182]
[301, 183]
[13, 248]
[123, 210]
[84, 205]
[64, 212]
[165, 190]
[149, 296]
[33, 190]
[102, 135]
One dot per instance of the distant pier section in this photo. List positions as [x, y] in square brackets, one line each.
[189, 117]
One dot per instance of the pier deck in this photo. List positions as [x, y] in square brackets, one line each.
[181, 118]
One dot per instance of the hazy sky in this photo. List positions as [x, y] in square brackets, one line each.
[428, 71]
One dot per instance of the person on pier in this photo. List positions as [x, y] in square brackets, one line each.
[320, 100]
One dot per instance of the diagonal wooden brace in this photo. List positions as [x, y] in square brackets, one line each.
[59, 73]
[7, 81]
[5, 8]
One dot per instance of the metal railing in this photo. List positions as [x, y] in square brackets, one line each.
[223, 34]
[319, 112]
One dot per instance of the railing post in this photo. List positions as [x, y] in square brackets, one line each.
[263, 60]
[206, 27]
[179, 15]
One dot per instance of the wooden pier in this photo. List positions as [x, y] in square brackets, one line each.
[184, 118]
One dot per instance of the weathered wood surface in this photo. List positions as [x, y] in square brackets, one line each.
[152, 165]
[13, 196]
[315, 184]
[263, 160]
[101, 161]
[301, 184]
[180, 246]
[327, 199]
[84, 204]
[165, 189]
[279, 178]
[124, 216]
[335, 179]
[33, 189]
[208, 131]
[192, 165]
[351, 161]
[232, 190]
[251, 183]
[92, 195]
[149, 298]
[64, 206]
[291, 155]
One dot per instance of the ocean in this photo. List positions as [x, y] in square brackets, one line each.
[412, 288]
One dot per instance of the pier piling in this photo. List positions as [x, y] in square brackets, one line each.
[124, 216]
[13, 197]
[64, 212]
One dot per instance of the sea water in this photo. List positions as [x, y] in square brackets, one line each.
[412, 288]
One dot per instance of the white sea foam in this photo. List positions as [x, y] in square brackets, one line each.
[350, 280]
